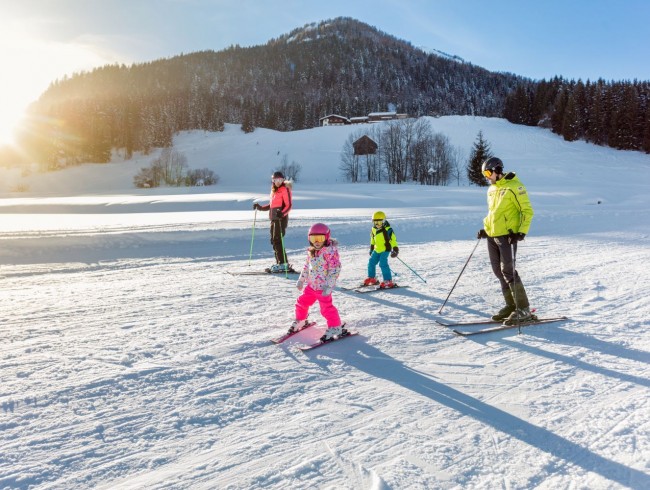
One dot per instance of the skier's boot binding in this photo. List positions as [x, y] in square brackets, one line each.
[331, 333]
[520, 315]
[387, 285]
[297, 325]
[371, 281]
[279, 268]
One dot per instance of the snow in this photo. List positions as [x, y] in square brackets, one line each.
[131, 358]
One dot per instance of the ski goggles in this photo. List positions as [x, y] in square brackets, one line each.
[488, 173]
[277, 180]
[378, 221]
[317, 238]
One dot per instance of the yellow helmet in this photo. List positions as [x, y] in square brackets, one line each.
[378, 215]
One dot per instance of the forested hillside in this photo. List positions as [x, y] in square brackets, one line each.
[341, 66]
[615, 114]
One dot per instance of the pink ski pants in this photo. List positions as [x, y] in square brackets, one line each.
[308, 297]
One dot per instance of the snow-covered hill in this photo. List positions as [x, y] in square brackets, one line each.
[132, 358]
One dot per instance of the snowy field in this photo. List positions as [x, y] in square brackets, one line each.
[131, 358]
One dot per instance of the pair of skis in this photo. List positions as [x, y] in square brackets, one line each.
[370, 289]
[499, 325]
[265, 272]
[288, 335]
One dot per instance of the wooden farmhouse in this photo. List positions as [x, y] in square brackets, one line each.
[334, 120]
[385, 116]
[373, 117]
[359, 120]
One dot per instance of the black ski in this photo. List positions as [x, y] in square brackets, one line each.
[478, 322]
[501, 327]
[266, 272]
[371, 289]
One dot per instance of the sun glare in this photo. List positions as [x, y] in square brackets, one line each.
[29, 65]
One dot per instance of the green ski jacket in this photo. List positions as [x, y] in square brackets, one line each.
[509, 207]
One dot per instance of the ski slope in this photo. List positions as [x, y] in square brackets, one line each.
[131, 358]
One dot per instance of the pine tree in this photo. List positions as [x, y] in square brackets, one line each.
[480, 153]
[247, 125]
[570, 122]
[646, 134]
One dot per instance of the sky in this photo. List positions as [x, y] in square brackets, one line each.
[45, 40]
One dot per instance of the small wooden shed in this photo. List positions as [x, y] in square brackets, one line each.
[365, 146]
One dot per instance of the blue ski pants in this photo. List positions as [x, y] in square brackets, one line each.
[382, 259]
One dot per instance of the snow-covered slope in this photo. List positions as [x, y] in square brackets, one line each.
[132, 359]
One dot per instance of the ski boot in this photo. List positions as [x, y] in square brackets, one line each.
[331, 333]
[510, 306]
[520, 315]
[371, 281]
[276, 268]
[297, 325]
[387, 285]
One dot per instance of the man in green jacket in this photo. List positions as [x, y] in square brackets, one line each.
[507, 223]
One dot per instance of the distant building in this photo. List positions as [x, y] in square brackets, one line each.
[385, 116]
[359, 120]
[373, 117]
[334, 120]
[365, 146]
[381, 116]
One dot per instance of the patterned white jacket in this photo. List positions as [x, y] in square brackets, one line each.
[322, 267]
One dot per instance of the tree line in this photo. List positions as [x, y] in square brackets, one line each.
[615, 114]
[171, 168]
[407, 150]
[341, 66]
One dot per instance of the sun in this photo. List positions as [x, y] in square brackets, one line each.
[29, 65]
[8, 126]
[20, 83]
[16, 93]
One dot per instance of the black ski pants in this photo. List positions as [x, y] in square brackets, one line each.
[503, 260]
[278, 230]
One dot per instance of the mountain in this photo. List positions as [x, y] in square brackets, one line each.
[338, 66]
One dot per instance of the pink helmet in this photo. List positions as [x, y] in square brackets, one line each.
[319, 229]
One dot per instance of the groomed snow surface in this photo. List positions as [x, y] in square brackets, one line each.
[132, 358]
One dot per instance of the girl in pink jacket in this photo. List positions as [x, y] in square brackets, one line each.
[317, 281]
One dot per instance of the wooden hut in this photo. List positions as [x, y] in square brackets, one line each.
[365, 146]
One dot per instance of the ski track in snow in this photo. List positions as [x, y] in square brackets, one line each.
[131, 358]
[159, 374]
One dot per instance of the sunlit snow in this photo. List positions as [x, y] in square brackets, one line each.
[132, 358]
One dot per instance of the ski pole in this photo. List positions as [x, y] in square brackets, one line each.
[284, 252]
[514, 278]
[252, 238]
[421, 278]
[461, 273]
[513, 248]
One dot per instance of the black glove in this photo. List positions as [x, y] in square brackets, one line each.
[256, 206]
[515, 237]
[481, 234]
[372, 248]
[394, 252]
